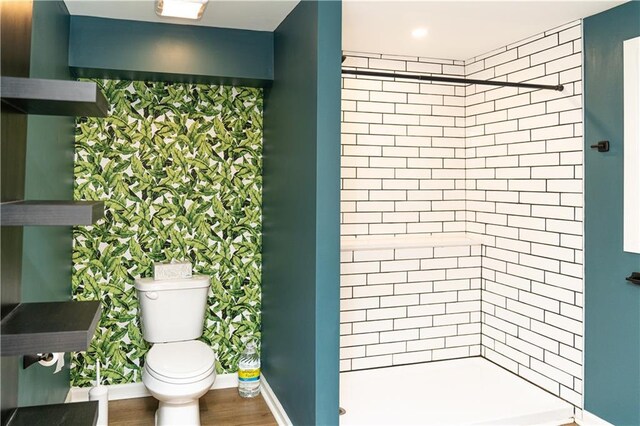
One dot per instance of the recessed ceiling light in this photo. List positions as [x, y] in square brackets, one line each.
[188, 9]
[419, 32]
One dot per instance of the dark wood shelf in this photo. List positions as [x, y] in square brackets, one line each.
[76, 414]
[54, 97]
[49, 327]
[50, 213]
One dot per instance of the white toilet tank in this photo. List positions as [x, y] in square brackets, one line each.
[172, 310]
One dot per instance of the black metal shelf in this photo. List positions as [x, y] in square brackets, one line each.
[54, 97]
[50, 213]
[49, 327]
[77, 413]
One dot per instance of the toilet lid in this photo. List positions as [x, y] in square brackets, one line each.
[180, 360]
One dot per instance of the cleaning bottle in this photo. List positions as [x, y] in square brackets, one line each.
[100, 393]
[249, 372]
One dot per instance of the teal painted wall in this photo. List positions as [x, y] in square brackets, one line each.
[612, 305]
[329, 71]
[300, 290]
[133, 50]
[46, 261]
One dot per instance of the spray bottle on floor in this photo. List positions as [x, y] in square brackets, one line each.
[249, 372]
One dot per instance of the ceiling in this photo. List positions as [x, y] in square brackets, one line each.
[456, 29]
[258, 15]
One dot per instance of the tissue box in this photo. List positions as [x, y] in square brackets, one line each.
[172, 270]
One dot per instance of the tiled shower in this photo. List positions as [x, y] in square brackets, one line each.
[461, 213]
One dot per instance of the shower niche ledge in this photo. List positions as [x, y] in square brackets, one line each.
[378, 242]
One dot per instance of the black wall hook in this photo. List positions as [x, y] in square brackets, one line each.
[602, 146]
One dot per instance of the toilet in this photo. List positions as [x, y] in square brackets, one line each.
[178, 369]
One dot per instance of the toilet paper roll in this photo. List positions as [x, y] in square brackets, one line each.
[50, 359]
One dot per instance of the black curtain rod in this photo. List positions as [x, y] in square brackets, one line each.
[558, 87]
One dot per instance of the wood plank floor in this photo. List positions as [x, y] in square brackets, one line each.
[217, 407]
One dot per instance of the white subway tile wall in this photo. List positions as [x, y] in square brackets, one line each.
[403, 149]
[406, 305]
[502, 163]
[524, 175]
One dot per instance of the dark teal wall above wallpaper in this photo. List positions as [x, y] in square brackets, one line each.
[46, 267]
[612, 305]
[300, 318]
[134, 50]
[179, 167]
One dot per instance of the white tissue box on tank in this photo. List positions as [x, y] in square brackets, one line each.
[171, 270]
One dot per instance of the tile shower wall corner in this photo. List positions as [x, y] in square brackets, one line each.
[524, 195]
[403, 173]
[501, 163]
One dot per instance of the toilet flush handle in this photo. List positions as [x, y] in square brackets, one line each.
[152, 295]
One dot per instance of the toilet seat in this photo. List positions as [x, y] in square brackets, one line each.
[180, 362]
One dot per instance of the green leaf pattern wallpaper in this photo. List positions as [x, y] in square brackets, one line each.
[179, 167]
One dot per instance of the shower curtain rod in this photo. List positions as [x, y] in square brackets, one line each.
[558, 87]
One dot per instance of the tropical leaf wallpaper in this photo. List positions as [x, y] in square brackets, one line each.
[179, 167]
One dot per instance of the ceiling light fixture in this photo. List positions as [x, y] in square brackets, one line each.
[188, 9]
[419, 32]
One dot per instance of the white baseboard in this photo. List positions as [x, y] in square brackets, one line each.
[138, 390]
[274, 405]
[589, 419]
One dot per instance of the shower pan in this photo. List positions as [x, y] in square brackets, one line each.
[469, 391]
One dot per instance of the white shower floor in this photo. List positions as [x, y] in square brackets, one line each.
[457, 392]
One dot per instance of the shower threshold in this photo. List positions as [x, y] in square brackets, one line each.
[468, 391]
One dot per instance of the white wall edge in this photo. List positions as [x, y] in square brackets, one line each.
[409, 241]
[589, 419]
[631, 198]
[274, 404]
[138, 390]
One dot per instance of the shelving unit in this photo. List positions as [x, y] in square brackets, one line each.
[54, 97]
[32, 328]
[50, 213]
[27, 329]
[77, 413]
[49, 327]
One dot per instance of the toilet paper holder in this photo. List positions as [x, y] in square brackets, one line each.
[29, 360]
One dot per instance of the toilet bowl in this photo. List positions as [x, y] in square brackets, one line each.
[178, 369]
[177, 375]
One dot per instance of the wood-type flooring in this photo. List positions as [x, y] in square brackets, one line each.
[217, 407]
